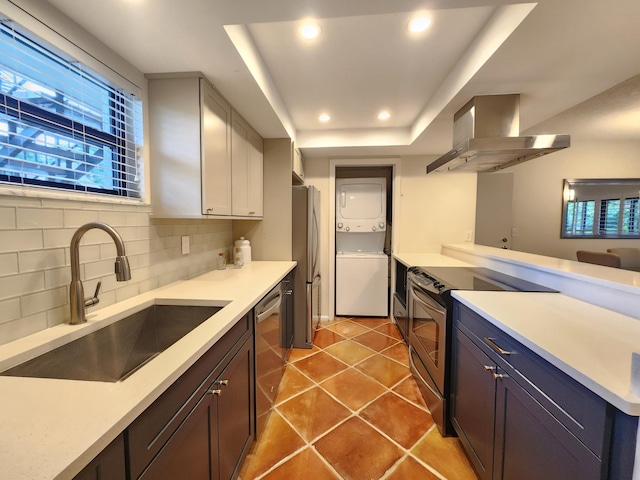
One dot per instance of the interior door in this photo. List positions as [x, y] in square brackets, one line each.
[494, 210]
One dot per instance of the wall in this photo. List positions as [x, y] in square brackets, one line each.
[537, 193]
[35, 234]
[435, 209]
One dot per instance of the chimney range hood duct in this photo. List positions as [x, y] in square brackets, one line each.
[486, 137]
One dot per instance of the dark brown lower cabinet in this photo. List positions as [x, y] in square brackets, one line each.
[200, 428]
[109, 464]
[520, 418]
[213, 439]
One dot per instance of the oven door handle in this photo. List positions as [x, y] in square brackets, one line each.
[414, 369]
[427, 306]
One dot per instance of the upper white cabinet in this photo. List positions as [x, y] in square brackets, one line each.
[246, 169]
[297, 165]
[193, 148]
[216, 141]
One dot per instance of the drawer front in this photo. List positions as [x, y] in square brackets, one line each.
[153, 428]
[581, 411]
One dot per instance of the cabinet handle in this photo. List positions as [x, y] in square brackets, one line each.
[489, 368]
[215, 392]
[491, 342]
[497, 376]
[223, 382]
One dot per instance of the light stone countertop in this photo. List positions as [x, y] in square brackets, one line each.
[591, 344]
[429, 260]
[51, 429]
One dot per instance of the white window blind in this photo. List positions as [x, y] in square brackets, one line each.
[61, 124]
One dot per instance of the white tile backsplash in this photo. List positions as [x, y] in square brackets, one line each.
[7, 218]
[39, 217]
[21, 240]
[37, 260]
[43, 301]
[35, 272]
[8, 263]
[10, 309]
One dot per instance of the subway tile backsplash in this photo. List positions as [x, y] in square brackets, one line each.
[35, 272]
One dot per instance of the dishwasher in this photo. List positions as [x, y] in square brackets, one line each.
[274, 338]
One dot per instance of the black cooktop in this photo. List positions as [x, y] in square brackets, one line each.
[441, 280]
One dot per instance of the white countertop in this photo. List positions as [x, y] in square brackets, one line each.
[51, 429]
[628, 280]
[591, 344]
[428, 260]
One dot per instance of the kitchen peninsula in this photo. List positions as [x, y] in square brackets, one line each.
[588, 331]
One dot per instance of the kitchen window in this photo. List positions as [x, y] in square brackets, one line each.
[62, 125]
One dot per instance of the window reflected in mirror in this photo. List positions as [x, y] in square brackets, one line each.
[601, 208]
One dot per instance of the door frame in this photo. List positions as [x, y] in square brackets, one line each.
[396, 178]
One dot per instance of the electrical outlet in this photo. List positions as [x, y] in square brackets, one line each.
[185, 244]
[514, 232]
[468, 236]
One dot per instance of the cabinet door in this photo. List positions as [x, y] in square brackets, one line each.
[246, 176]
[531, 444]
[215, 130]
[235, 404]
[473, 402]
[298, 164]
[188, 454]
[255, 177]
[108, 464]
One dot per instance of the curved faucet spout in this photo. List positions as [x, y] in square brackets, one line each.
[76, 290]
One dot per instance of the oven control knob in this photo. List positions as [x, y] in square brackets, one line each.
[373, 228]
[381, 225]
[340, 225]
[347, 229]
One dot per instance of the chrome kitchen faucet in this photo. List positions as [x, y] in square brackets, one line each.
[76, 290]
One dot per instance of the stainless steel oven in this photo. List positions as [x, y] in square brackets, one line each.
[430, 326]
[427, 346]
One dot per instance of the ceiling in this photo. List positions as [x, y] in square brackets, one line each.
[555, 53]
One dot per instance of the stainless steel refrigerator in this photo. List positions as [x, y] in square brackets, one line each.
[306, 251]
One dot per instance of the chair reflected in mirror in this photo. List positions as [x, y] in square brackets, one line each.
[606, 259]
[629, 257]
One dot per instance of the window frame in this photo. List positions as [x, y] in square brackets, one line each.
[127, 170]
[603, 193]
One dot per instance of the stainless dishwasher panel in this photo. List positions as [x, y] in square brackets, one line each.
[270, 353]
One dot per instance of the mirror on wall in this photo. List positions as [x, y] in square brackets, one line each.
[601, 208]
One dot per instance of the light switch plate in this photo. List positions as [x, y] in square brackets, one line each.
[185, 244]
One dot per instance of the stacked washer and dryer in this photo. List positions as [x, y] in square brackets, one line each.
[361, 264]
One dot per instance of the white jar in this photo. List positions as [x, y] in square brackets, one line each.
[245, 248]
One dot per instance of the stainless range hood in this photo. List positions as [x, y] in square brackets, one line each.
[486, 137]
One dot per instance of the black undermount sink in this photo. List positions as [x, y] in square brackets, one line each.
[114, 352]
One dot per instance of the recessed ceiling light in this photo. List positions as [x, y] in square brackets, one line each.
[384, 116]
[309, 30]
[419, 24]
[324, 118]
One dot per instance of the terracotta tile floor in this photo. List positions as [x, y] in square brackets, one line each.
[349, 409]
